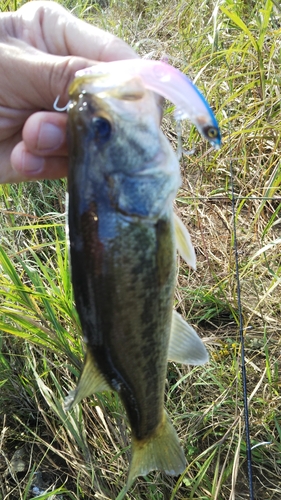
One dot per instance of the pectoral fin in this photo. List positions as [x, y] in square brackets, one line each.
[185, 346]
[183, 243]
[91, 381]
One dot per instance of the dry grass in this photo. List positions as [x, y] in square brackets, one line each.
[85, 454]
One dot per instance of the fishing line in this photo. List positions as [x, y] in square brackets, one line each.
[225, 197]
[242, 343]
[233, 200]
[231, 197]
[241, 324]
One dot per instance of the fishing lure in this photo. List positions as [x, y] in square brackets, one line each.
[163, 79]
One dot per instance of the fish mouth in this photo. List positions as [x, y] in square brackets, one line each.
[113, 94]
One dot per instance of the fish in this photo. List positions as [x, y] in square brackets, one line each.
[123, 235]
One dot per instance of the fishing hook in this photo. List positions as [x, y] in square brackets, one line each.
[56, 107]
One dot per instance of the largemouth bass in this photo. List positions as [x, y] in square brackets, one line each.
[123, 178]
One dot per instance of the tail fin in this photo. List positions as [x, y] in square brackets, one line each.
[161, 451]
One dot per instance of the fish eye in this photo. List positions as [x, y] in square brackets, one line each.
[101, 129]
[211, 132]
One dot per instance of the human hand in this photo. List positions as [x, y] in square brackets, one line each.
[42, 45]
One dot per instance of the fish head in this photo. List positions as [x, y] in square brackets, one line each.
[115, 138]
[109, 108]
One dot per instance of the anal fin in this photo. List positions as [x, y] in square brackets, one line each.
[185, 346]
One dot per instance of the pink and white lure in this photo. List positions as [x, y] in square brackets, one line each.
[166, 81]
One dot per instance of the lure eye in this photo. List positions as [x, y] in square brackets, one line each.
[211, 132]
[101, 129]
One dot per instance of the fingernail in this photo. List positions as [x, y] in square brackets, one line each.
[32, 164]
[50, 137]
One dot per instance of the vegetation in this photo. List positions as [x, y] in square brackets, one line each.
[231, 49]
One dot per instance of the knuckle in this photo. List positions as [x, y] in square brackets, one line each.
[62, 73]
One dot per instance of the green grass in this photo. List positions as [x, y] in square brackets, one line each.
[232, 50]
